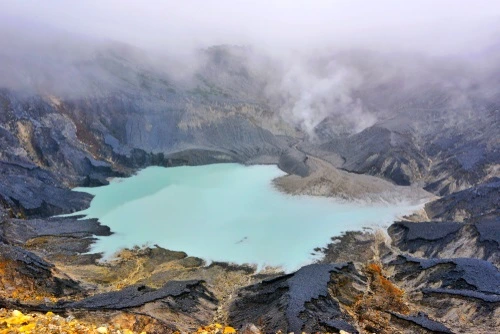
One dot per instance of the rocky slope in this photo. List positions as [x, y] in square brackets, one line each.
[435, 272]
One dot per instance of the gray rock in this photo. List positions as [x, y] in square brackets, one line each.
[423, 321]
[462, 276]
[282, 302]
[137, 295]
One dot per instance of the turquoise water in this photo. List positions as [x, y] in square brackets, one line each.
[224, 212]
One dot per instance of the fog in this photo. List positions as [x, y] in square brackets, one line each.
[425, 25]
[311, 59]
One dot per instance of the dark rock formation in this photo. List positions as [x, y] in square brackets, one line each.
[460, 283]
[422, 145]
[461, 274]
[423, 321]
[19, 231]
[28, 190]
[55, 238]
[296, 302]
[178, 305]
[489, 230]
[23, 273]
[448, 239]
[138, 295]
[294, 162]
[476, 201]
[380, 151]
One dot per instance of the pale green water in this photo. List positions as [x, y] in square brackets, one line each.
[224, 212]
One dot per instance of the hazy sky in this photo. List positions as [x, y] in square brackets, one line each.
[438, 27]
[42, 52]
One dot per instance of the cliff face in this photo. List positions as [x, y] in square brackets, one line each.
[66, 141]
[418, 279]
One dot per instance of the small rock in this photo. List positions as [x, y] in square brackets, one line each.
[249, 329]
[102, 330]
[16, 313]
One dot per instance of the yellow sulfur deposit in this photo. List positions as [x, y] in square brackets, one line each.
[215, 329]
[12, 322]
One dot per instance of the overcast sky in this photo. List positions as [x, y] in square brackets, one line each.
[438, 27]
[294, 42]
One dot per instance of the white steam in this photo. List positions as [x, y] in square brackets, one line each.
[64, 46]
[311, 96]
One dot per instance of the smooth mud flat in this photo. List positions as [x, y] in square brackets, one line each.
[226, 212]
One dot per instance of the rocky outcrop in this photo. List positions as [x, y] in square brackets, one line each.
[178, 305]
[55, 238]
[441, 287]
[432, 147]
[294, 162]
[480, 200]
[325, 180]
[459, 276]
[449, 239]
[294, 303]
[19, 231]
[423, 321]
[27, 190]
[380, 151]
[26, 276]
[332, 298]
